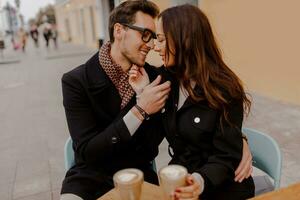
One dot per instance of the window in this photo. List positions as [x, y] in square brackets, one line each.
[92, 20]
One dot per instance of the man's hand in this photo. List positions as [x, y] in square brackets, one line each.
[244, 169]
[154, 96]
[138, 79]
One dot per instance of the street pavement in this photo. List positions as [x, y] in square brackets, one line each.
[33, 126]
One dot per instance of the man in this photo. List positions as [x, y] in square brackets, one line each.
[104, 123]
[109, 128]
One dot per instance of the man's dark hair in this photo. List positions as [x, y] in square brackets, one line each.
[126, 11]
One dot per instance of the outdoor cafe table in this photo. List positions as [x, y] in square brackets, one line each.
[151, 192]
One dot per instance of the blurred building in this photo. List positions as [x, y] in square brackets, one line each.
[86, 21]
[3, 21]
[9, 22]
[83, 21]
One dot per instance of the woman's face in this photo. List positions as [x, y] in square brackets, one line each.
[160, 46]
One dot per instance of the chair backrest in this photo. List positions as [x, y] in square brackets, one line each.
[266, 154]
[69, 154]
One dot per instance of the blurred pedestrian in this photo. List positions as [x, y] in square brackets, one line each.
[14, 43]
[22, 38]
[46, 27]
[2, 44]
[54, 34]
[34, 33]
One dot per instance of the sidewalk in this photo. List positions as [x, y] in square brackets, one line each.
[33, 125]
[8, 55]
[32, 121]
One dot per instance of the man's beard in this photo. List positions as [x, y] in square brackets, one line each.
[134, 61]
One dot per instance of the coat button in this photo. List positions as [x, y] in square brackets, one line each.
[197, 120]
[163, 110]
[114, 140]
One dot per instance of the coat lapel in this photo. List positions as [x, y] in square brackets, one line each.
[102, 91]
[169, 116]
[189, 102]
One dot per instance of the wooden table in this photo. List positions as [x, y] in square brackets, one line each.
[149, 192]
[289, 193]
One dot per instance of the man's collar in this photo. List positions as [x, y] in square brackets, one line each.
[116, 56]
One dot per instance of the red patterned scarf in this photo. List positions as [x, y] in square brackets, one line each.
[116, 74]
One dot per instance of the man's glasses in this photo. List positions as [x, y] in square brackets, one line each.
[147, 34]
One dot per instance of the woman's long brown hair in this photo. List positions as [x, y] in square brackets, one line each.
[198, 57]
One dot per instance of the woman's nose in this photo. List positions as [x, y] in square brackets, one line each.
[156, 48]
[155, 45]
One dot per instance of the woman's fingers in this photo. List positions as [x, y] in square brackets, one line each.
[142, 70]
[192, 191]
[245, 170]
[130, 72]
[250, 172]
[245, 166]
[186, 195]
[134, 67]
[190, 180]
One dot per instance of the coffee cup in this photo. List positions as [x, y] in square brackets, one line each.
[171, 177]
[128, 183]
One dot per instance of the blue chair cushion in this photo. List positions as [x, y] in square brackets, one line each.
[262, 184]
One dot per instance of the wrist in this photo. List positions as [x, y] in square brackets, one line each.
[142, 112]
[139, 91]
[244, 137]
[135, 111]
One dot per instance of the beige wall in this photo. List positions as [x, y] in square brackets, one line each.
[153, 57]
[163, 4]
[260, 41]
[78, 13]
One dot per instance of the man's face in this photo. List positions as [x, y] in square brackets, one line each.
[132, 47]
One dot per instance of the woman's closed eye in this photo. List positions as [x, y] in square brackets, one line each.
[160, 38]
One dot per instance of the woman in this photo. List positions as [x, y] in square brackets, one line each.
[204, 112]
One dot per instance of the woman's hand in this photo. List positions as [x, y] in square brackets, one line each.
[244, 169]
[189, 192]
[138, 78]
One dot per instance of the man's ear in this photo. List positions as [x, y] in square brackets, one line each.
[118, 31]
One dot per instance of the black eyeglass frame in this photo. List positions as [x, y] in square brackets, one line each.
[143, 31]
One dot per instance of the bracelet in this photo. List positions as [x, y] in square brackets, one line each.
[142, 112]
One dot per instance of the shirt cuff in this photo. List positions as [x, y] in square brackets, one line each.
[200, 180]
[132, 122]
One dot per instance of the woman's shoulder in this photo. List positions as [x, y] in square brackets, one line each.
[231, 95]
